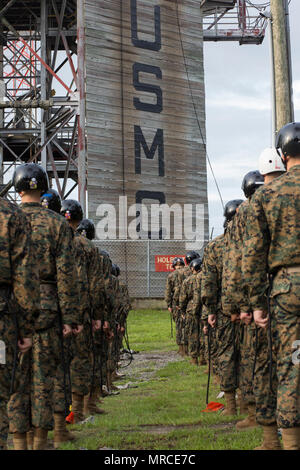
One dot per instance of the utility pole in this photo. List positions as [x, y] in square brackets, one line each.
[282, 63]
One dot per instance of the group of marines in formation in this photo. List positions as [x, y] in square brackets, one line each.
[63, 315]
[238, 306]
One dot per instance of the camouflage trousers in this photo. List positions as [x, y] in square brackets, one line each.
[211, 349]
[184, 330]
[227, 339]
[82, 361]
[193, 336]
[101, 346]
[33, 403]
[111, 356]
[7, 342]
[172, 325]
[179, 329]
[286, 314]
[264, 391]
[119, 347]
[246, 362]
[63, 379]
[79, 366]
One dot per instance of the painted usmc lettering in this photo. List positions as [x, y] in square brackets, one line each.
[141, 146]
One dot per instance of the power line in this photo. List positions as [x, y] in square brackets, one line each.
[258, 6]
[194, 105]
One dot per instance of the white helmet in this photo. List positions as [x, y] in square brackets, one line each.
[270, 162]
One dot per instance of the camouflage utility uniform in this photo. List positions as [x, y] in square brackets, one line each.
[95, 302]
[211, 281]
[112, 286]
[272, 245]
[189, 310]
[237, 302]
[19, 296]
[77, 348]
[101, 343]
[53, 246]
[181, 275]
[198, 323]
[169, 293]
[123, 314]
[228, 331]
[169, 290]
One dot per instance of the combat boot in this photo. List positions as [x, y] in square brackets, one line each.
[90, 405]
[243, 405]
[291, 438]
[250, 421]
[61, 433]
[270, 439]
[19, 440]
[117, 376]
[29, 438]
[40, 439]
[114, 376]
[230, 409]
[110, 385]
[202, 361]
[194, 361]
[77, 407]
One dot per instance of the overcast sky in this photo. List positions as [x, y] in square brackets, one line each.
[238, 107]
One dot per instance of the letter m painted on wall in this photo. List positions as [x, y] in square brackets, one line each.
[157, 145]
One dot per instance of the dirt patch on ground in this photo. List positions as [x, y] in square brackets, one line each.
[161, 429]
[222, 426]
[157, 429]
[145, 365]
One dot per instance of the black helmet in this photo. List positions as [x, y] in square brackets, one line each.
[251, 182]
[177, 261]
[71, 209]
[51, 200]
[104, 253]
[87, 228]
[288, 139]
[29, 176]
[190, 256]
[230, 208]
[114, 270]
[196, 264]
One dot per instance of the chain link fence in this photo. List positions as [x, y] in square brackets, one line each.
[136, 259]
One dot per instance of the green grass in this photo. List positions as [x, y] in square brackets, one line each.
[172, 399]
[150, 330]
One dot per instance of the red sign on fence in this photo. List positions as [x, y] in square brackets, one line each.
[163, 263]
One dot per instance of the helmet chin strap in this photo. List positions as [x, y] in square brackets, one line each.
[283, 157]
[284, 160]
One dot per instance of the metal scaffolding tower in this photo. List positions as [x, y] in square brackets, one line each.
[236, 20]
[41, 114]
[42, 82]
